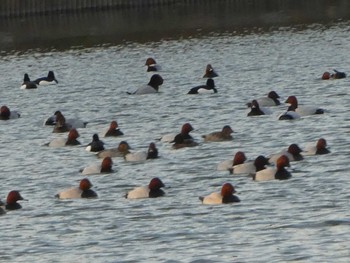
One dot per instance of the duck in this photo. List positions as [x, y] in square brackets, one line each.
[184, 139]
[293, 153]
[290, 114]
[336, 75]
[225, 196]
[96, 145]
[152, 153]
[210, 72]
[152, 65]
[152, 87]
[61, 125]
[256, 110]
[152, 190]
[113, 130]
[250, 167]
[303, 110]
[185, 130]
[102, 168]
[27, 83]
[49, 80]
[6, 114]
[278, 172]
[82, 191]
[318, 148]
[11, 200]
[120, 151]
[209, 87]
[219, 136]
[238, 158]
[71, 123]
[272, 99]
[71, 140]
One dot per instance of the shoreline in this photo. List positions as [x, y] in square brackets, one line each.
[141, 25]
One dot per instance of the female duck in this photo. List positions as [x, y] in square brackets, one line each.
[209, 87]
[210, 72]
[226, 196]
[152, 87]
[279, 172]
[152, 65]
[120, 151]
[151, 191]
[49, 80]
[83, 191]
[104, 167]
[71, 140]
[223, 135]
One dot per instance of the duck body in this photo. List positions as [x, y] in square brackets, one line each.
[82, 191]
[223, 135]
[121, 151]
[227, 165]
[113, 130]
[318, 148]
[208, 88]
[140, 156]
[152, 87]
[293, 153]
[153, 190]
[6, 114]
[96, 145]
[71, 140]
[274, 173]
[224, 197]
[256, 110]
[48, 80]
[184, 139]
[27, 83]
[302, 110]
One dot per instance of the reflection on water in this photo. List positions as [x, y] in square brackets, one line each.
[165, 22]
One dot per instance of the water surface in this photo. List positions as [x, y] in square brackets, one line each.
[303, 219]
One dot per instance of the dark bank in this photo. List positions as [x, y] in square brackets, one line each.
[59, 25]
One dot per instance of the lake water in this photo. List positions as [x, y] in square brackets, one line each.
[304, 219]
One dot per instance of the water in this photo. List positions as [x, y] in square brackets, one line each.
[303, 219]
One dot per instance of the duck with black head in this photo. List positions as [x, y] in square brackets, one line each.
[208, 88]
[152, 87]
[50, 79]
[27, 83]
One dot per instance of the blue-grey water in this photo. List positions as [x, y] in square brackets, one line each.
[304, 219]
